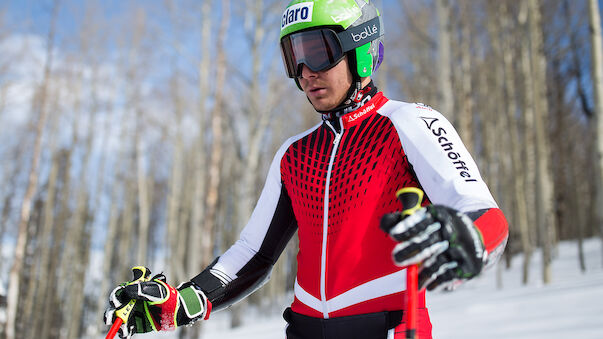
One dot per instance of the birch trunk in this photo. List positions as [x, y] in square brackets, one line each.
[445, 65]
[529, 151]
[108, 253]
[40, 278]
[16, 269]
[111, 228]
[518, 172]
[176, 267]
[544, 189]
[81, 224]
[465, 114]
[144, 198]
[196, 236]
[70, 257]
[52, 324]
[597, 78]
[216, 156]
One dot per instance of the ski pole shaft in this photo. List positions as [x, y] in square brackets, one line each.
[412, 297]
[114, 328]
[411, 198]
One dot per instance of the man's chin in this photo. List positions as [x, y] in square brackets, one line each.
[321, 105]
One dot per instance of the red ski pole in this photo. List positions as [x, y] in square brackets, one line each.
[114, 328]
[122, 315]
[411, 198]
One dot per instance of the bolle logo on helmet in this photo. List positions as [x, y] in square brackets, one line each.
[365, 33]
[297, 13]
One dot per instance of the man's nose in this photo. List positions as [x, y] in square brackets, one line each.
[307, 73]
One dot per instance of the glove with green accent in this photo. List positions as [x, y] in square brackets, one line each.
[159, 306]
[443, 241]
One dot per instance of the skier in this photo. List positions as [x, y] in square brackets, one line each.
[335, 184]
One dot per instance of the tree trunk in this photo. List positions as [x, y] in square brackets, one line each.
[144, 198]
[518, 172]
[597, 78]
[52, 319]
[38, 284]
[196, 236]
[544, 183]
[176, 266]
[111, 228]
[125, 250]
[217, 136]
[15, 271]
[465, 114]
[530, 140]
[80, 229]
[445, 65]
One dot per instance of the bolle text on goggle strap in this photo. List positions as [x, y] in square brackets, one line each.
[359, 35]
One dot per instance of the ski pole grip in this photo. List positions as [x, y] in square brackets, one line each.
[411, 198]
[122, 315]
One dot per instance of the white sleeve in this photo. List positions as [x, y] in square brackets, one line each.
[257, 229]
[444, 167]
[254, 233]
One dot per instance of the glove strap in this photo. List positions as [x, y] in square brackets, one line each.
[194, 302]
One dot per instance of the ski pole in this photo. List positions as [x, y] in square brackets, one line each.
[411, 198]
[122, 315]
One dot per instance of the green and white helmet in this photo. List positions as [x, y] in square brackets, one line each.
[319, 33]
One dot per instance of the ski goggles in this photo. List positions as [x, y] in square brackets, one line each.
[318, 49]
[321, 49]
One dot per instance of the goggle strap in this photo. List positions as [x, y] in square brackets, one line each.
[359, 35]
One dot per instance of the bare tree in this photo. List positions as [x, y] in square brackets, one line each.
[529, 155]
[38, 280]
[216, 155]
[174, 198]
[144, 194]
[445, 65]
[111, 237]
[518, 172]
[16, 269]
[597, 76]
[196, 236]
[465, 110]
[544, 182]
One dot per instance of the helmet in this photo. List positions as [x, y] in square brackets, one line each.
[319, 33]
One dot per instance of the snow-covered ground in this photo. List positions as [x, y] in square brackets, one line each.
[570, 307]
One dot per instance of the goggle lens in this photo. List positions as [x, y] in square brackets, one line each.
[317, 49]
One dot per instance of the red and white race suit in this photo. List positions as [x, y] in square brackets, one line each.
[333, 185]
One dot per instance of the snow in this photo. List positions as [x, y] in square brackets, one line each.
[569, 307]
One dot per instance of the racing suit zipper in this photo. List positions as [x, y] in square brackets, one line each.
[323, 258]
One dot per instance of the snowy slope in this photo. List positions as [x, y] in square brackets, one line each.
[570, 307]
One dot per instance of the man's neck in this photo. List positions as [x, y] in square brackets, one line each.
[359, 99]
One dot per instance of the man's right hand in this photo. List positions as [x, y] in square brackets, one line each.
[159, 306]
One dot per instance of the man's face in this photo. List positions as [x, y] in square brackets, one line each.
[326, 89]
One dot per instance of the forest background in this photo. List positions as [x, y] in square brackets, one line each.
[140, 132]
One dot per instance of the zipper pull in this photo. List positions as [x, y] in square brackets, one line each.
[337, 138]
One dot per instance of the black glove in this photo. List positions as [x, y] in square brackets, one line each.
[159, 306]
[442, 241]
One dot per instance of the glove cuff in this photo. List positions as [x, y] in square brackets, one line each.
[194, 303]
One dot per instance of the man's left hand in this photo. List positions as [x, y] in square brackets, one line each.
[442, 241]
